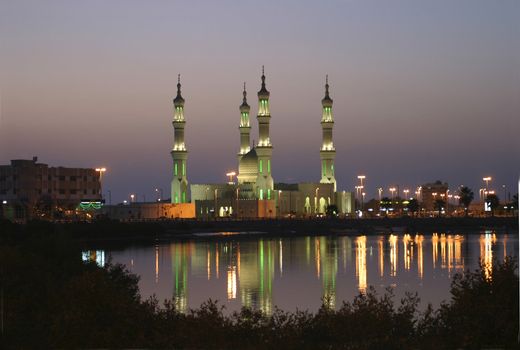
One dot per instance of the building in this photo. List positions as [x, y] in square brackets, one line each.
[30, 189]
[255, 193]
[432, 192]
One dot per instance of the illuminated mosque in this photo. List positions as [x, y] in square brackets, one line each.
[255, 194]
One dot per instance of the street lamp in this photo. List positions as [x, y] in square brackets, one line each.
[406, 191]
[230, 175]
[132, 196]
[380, 191]
[159, 191]
[280, 201]
[316, 200]
[487, 179]
[392, 190]
[362, 200]
[101, 171]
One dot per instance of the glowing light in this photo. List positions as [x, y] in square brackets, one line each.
[361, 263]
[393, 255]
[232, 282]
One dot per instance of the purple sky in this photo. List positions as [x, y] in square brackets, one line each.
[422, 90]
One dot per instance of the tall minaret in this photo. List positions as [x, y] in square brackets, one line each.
[179, 152]
[264, 149]
[327, 152]
[245, 127]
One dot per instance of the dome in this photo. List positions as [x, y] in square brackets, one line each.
[178, 100]
[327, 101]
[248, 167]
[263, 94]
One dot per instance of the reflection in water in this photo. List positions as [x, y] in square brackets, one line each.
[420, 260]
[361, 263]
[487, 241]
[256, 270]
[180, 255]
[393, 255]
[381, 255]
[97, 256]
[328, 254]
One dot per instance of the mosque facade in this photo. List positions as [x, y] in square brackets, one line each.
[255, 194]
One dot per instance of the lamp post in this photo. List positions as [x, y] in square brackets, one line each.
[280, 202]
[230, 175]
[101, 171]
[392, 190]
[380, 192]
[238, 189]
[362, 200]
[132, 196]
[216, 210]
[316, 200]
[406, 191]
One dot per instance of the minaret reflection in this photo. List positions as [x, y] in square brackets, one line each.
[486, 253]
[257, 261]
[317, 256]
[180, 256]
[361, 262]
[393, 255]
[327, 260]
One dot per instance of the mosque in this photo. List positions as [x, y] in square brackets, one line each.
[255, 194]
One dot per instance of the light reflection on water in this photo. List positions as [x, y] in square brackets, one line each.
[300, 272]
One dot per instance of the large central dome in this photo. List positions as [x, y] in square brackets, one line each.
[248, 167]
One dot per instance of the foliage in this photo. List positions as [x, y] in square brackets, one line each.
[438, 205]
[413, 205]
[493, 202]
[62, 302]
[466, 196]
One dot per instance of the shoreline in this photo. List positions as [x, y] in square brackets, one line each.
[106, 231]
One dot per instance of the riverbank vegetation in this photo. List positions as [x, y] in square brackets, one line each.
[50, 298]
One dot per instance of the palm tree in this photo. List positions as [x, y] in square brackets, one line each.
[493, 202]
[439, 204]
[466, 197]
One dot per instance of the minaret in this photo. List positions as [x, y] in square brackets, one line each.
[264, 149]
[179, 152]
[327, 152]
[245, 127]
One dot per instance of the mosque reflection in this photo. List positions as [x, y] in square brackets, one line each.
[251, 272]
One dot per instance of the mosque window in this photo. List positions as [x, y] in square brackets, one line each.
[324, 166]
[176, 198]
[175, 169]
[260, 165]
[269, 166]
[183, 196]
[183, 169]
[261, 194]
[268, 193]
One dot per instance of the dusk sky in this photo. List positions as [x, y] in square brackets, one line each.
[423, 90]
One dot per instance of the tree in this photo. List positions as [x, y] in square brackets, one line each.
[493, 202]
[466, 197]
[413, 206]
[439, 204]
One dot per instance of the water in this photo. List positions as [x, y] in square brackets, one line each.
[296, 273]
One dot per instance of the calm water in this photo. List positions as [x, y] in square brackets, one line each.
[297, 272]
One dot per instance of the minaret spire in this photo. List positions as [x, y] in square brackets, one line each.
[264, 150]
[179, 185]
[244, 127]
[327, 151]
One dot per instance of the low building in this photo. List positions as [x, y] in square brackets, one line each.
[30, 189]
[149, 211]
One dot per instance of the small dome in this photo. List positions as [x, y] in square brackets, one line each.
[327, 101]
[178, 100]
[263, 94]
[248, 165]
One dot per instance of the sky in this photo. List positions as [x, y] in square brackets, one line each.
[422, 90]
